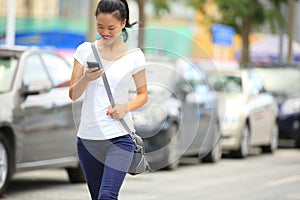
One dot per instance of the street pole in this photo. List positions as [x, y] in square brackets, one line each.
[11, 23]
[291, 30]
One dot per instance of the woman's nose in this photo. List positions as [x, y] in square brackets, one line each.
[105, 32]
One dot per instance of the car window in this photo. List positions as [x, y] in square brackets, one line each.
[58, 69]
[226, 83]
[256, 82]
[275, 79]
[196, 79]
[252, 86]
[34, 70]
[8, 67]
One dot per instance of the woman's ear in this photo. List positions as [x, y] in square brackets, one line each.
[124, 23]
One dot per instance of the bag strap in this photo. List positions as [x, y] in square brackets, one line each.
[109, 94]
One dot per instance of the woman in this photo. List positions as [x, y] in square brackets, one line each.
[104, 146]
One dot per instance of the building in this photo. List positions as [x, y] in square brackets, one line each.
[36, 9]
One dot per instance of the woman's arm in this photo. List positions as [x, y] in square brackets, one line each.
[81, 78]
[120, 110]
[141, 91]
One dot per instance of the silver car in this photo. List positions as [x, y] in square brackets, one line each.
[36, 121]
[249, 114]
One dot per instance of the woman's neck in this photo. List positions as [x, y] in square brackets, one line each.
[112, 51]
[115, 46]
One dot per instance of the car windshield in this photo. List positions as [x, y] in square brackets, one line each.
[280, 80]
[8, 67]
[226, 83]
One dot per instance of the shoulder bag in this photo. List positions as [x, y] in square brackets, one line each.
[139, 163]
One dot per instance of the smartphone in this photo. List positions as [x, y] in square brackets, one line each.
[93, 65]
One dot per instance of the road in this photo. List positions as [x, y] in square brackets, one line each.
[259, 177]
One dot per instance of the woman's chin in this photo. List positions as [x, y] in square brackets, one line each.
[110, 40]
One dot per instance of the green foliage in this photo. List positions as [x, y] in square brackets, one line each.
[244, 16]
[236, 12]
[161, 6]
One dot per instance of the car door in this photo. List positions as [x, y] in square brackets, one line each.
[64, 130]
[196, 109]
[260, 119]
[37, 109]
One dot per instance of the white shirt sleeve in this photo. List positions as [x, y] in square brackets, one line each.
[81, 52]
[140, 62]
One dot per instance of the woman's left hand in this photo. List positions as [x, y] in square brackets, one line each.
[118, 112]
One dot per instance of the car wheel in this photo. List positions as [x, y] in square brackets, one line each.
[76, 175]
[215, 154]
[171, 155]
[5, 163]
[298, 143]
[273, 141]
[244, 148]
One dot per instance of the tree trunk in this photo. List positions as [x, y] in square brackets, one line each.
[291, 30]
[29, 8]
[245, 32]
[91, 32]
[142, 21]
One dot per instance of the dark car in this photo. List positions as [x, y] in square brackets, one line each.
[180, 117]
[36, 121]
[284, 83]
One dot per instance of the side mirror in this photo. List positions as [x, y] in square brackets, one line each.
[38, 87]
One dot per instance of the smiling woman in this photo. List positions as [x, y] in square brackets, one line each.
[117, 16]
[104, 146]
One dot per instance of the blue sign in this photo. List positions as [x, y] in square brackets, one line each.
[58, 39]
[222, 35]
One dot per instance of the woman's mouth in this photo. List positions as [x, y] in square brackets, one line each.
[107, 37]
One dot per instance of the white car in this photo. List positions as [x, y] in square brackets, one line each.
[247, 112]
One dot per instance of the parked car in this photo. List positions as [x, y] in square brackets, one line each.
[36, 121]
[248, 113]
[180, 117]
[284, 83]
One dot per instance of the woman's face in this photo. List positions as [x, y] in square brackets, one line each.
[109, 27]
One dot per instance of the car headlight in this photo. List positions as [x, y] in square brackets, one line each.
[291, 106]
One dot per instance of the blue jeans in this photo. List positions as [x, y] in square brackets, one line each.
[105, 164]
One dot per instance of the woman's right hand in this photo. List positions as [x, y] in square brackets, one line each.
[91, 74]
[80, 79]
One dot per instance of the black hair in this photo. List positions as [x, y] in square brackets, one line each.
[119, 8]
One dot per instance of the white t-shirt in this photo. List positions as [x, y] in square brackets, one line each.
[94, 123]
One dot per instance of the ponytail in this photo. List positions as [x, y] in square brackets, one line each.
[119, 8]
[128, 25]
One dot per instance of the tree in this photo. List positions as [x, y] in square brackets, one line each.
[244, 16]
[160, 6]
[91, 33]
[142, 21]
[291, 29]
